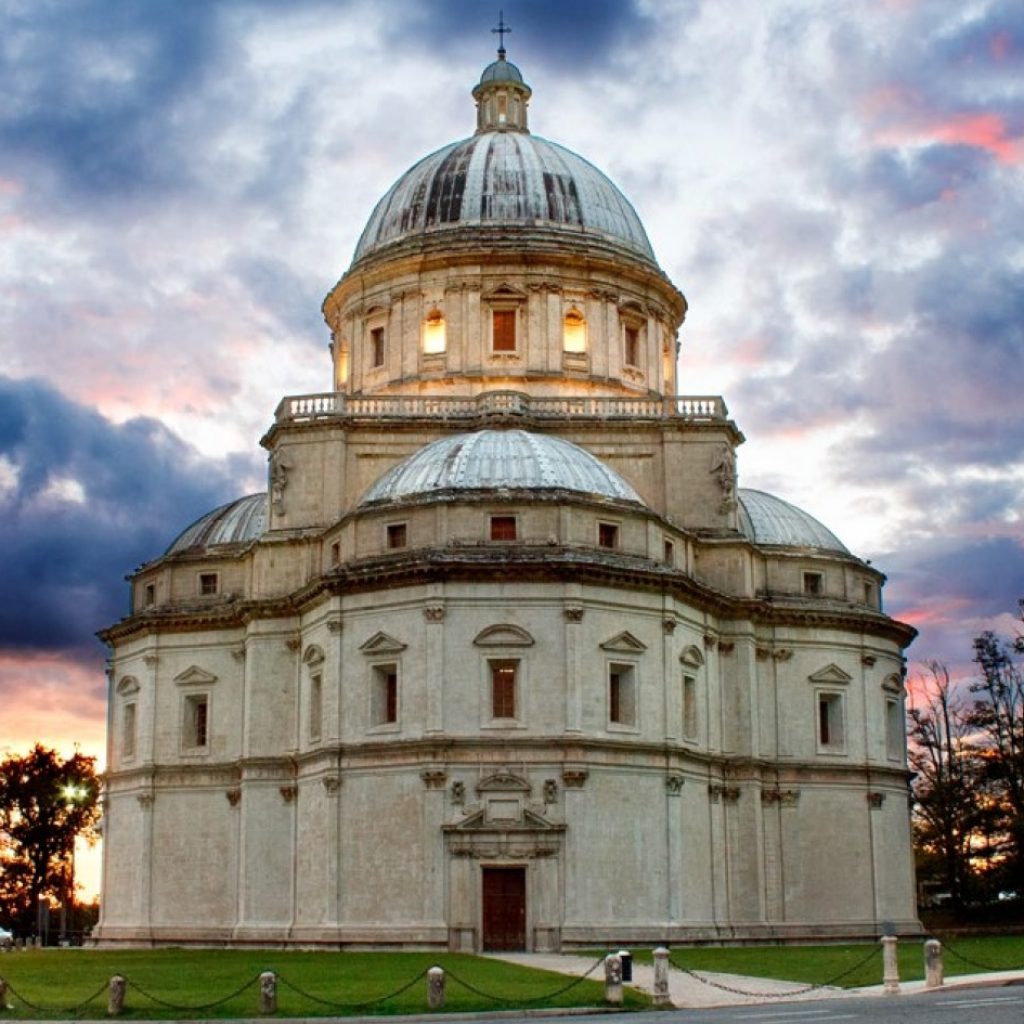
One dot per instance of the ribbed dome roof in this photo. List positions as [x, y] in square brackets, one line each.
[234, 523]
[500, 459]
[504, 179]
[766, 519]
[501, 70]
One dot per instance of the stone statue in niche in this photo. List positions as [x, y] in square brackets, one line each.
[280, 467]
[723, 469]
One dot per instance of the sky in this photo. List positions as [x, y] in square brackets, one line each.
[836, 187]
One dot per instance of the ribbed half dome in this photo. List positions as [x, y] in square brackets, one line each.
[500, 459]
[766, 519]
[234, 523]
[504, 179]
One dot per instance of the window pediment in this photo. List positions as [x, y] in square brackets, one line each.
[504, 293]
[503, 635]
[127, 686]
[893, 683]
[503, 782]
[832, 674]
[692, 656]
[382, 643]
[313, 655]
[195, 676]
[624, 643]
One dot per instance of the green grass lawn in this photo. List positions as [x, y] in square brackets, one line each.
[823, 964]
[59, 980]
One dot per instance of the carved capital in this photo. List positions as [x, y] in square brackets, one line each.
[334, 625]
[875, 800]
[293, 643]
[550, 791]
[238, 653]
[145, 799]
[573, 613]
[331, 783]
[763, 653]
[674, 784]
[726, 647]
[434, 612]
[868, 660]
[710, 639]
[434, 778]
[150, 659]
[725, 794]
[574, 778]
[782, 653]
[289, 793]
[668, 624]
[233, 795]
[783, 797]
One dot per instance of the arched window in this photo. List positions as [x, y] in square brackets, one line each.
[574, 332]
[434, 339]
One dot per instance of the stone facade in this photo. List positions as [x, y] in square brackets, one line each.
[337, 721]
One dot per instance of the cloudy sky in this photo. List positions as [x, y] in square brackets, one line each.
[836, 186]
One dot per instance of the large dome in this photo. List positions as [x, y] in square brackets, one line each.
[501, 179]
[237, 522]
[766, 519]
[500, 459]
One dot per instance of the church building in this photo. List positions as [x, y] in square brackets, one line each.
[504, 658]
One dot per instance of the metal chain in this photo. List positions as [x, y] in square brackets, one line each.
[284, 982]
[974, 963]
[73, 1010]
[189, 1009]
[534, 999]
[776, 995]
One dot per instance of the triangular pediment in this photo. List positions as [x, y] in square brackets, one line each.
[503, 635]
[479, 822]
[195, 676]
[692, 656]
[624, 643]
[382, 643]
[504, 291]
[831, 674]
[503, 782]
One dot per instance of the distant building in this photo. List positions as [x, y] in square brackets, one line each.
[505, 658]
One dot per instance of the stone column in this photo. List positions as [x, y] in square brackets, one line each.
[572, 611]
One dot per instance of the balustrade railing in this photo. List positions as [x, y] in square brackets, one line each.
[499, 404]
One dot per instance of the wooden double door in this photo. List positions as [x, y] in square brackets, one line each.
[504, 908]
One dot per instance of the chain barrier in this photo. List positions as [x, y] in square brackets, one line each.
[948, 948]
[73, 1010]
[189, 1009]
[285, 983]
[533, 999]
[778, 995]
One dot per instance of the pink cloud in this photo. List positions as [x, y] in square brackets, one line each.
[1000, 45]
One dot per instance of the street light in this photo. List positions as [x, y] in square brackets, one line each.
[73, 794]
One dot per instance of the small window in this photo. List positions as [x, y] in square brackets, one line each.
[316, 707]
[689, 707]
[384, 699]
[128, 731]
[208, 583]
[621, 695]
[503, 330]
[503, 527]
[336, 553]
[503, 688]
[814, 584]
[150, 594]
[376, 346]
[869, 594]
[607, 535]
[574, 333]
[397, 536]
[197, 721]
[830, 721]
[434, 334]
[669, 555]
[631, 336]
[894, 729]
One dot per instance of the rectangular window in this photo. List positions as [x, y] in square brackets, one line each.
[869, 594]
[316, 707]
[689, 707]
[397, 536]
[830, 721]
[503, 330]
[197, 720]
[622, 694]
[503, 527]
[336, 553]
[607, 535]
[128, 731]
[814, 584]
[503, 689]
[632, 345]
[384, 700]
[894, 729]
[150, 594]
[670, 553]
[376, 346]
[208, 583]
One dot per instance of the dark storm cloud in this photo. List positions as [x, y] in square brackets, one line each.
[84, 501]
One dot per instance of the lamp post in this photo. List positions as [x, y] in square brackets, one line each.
[73, 794]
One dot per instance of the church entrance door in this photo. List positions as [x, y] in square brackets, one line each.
[504, 908]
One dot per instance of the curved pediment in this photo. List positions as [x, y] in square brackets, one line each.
[692, 656]
[503, 635]
[503, 782]
[313, 655]
[127, 686]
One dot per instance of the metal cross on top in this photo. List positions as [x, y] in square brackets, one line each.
[501, 30]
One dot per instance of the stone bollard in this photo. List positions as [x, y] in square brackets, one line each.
[115, 996]
[661, 996]
[933, 964]
[4, 1005]
[268, 992]
[890, 966]
[435, 988]
[613, 979]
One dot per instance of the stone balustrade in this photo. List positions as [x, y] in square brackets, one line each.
[499, 405]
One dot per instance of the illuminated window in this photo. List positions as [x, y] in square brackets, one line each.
[607, 535]
[503, 527]
[397, 535]
[195, 731]
[384, 696]
[814, 584]
[208, 583]
[434, 340]
[574, 332]
[621, 695]
[376, 346]
[503, 688]
[503, 330]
